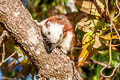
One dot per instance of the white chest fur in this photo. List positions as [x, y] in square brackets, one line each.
[66, 44]
[53, 27]
[53, 31]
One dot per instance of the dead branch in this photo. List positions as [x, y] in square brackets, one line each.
[3, 54]
[113, 72]
[7, 58]
[101, 63]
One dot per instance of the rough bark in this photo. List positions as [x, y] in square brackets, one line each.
[19, 23]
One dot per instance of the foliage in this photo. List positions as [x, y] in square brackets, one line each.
[96, 24]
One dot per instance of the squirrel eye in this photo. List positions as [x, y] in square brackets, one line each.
[48, 24]
[49, 33]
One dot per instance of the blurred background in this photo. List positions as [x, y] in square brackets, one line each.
[93, 37]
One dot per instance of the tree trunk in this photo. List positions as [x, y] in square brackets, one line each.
[20, 24]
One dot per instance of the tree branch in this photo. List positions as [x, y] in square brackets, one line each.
[19, 23]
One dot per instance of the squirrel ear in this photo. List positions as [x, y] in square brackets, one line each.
[42, 23]
[48, 23]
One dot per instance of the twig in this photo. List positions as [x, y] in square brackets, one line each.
[101, 71]
[101, 64]
[110, 48]
[116, 31]
[114, 45]
[116, 2]
[104, 67]
[3, 36]
[110, 45]
[106, 7]
[111, 24]
[3, 54]
[7, 58]
[6, 78]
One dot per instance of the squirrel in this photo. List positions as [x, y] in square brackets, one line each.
[58, 32]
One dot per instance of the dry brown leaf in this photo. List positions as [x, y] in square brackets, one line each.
[87, 25]
[87, 6]
[100, 4]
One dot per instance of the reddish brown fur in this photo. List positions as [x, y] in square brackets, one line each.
[61, 19]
